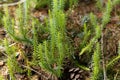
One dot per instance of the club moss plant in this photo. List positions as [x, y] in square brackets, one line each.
[49, 54]
[96, 63]
[17, 31]
[114, 60]
[12, 64]
[48, 3]
[96, 56]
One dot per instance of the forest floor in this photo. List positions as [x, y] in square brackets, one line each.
[75, 18]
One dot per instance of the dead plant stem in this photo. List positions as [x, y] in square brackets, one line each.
[103, 58]
[12, 4]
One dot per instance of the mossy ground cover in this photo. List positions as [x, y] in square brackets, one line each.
[60, 40]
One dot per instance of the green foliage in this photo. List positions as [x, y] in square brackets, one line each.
[49, 3]
[11, 60]
[82, 66]
[50, 57]
[96, 63]
[93, 20]
[93, 43]
[99, 4]
[72, 2]
[106, 14]
[88, 47]
[17, 31]
[118, 48]
[1, 16]
[107, 11]
[1, 77]
[115, 2]
[113, 61]
[87, 34]
[42, 3]
[57, 5]
[51, 53]
[106, 18]
[35, 43]
[19, 28]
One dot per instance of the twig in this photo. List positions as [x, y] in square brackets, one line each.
[115, 77]
[12, 4]
[47, 78]
[103, 58]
